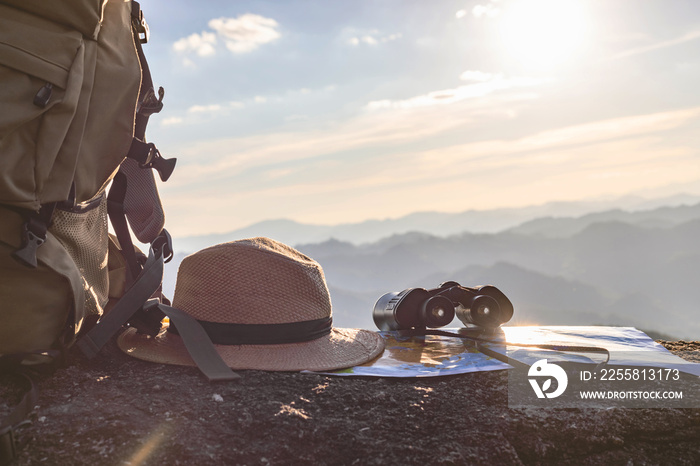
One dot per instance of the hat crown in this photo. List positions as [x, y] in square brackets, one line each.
[252, 281]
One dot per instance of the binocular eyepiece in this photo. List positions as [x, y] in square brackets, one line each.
[483, 306]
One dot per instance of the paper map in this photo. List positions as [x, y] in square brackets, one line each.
[431, 356]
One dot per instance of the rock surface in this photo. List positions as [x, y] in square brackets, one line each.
[116, 410]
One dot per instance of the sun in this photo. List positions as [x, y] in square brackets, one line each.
[542, 34]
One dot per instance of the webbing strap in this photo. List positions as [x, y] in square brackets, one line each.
[198, 345]
[139, 29]
[147, 283]
[146, 153]
[115, 209]
[194, 337]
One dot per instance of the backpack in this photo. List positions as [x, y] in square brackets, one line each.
[76, 95]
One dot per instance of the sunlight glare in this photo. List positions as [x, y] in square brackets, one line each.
[542, 34]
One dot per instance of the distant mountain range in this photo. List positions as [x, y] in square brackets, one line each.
[617, 267]
[609, 273]
[663, 217]
[446, 224]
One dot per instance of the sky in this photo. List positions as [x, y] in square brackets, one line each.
[332, 111]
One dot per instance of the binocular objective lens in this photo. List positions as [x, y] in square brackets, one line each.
[484, 311]
[437, 311]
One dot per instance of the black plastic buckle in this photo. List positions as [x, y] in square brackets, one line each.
[150, 103]
[139, 23]
[147, 320]
[163, 244]
[155, 160]
[32, 238]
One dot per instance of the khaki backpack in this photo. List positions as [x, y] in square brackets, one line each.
[75, 97]
[74, 111]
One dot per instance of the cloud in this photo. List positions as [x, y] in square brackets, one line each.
[292, 171]
[659, 45]
[232, 156]
[246, 32]
[394, 126]
[478, 76]
[489, 10]
[580, 136]
[200, 113]
[242, 34]
[371, 38]
[172, 121]
[213, 108]
[486, 84]
[201, 44]
[301, 171]
[610, 157]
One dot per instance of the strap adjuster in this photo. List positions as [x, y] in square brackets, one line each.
[34, 234]
[163, 244]
[150, 103]
[148, 156]
[139, 23]
[148, 319]
[30, 243]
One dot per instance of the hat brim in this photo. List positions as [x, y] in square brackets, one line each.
[339, 349]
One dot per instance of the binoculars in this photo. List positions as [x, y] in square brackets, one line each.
[482, 306]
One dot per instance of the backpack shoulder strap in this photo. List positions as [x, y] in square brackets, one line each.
[134, 194]
[140, 291]
[193, 335]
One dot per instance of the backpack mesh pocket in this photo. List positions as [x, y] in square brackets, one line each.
[84, 234]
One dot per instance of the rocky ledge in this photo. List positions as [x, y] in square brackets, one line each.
[116, 410]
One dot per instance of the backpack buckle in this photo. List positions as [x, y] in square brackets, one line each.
[148, 319]
[33, 235]
[148, 156]
[163, 244]
[139, 23]
[27, 253]
[150, 103]
[163, 166]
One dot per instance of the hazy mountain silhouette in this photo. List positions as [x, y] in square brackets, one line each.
[608, 268]
[561, 227]
[635, 210]
[538, 299]
[610, 273]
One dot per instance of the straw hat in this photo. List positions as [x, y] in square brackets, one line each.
[264, 305]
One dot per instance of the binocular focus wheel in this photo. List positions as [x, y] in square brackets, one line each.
[449, 284]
